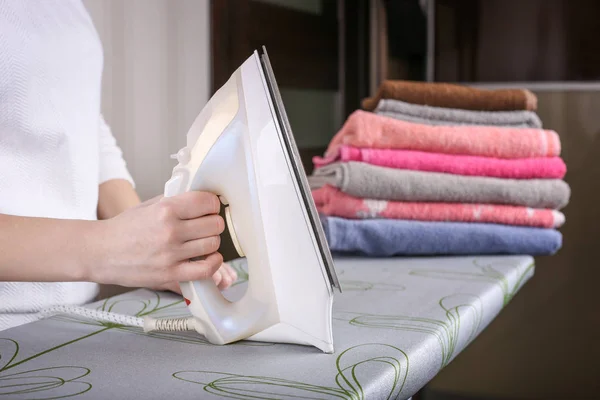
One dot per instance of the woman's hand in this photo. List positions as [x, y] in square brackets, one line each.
[151, 245]
[223, 278]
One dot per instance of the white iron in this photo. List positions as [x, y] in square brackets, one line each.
[241, 148]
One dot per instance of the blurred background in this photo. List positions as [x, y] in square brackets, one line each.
[165, 58]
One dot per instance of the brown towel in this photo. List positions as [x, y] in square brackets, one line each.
[453, 96]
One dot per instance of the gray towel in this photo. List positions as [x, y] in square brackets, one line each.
[370, 181]
[450, 116]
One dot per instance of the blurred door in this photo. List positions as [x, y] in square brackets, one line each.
[318, 49]
[319, 53]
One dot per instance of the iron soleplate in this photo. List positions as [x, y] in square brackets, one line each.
[299, 172]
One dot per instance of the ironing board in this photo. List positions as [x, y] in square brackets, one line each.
[397, 323]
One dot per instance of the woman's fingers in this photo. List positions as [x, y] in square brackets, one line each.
[197, 228]
[198, 270]
[225, 281]
[225, 276]
[190, 205]
[217, 277]
[230, 272]
[199, 247]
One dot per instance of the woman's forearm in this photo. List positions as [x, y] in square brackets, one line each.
[114, 197]
[47, 250]
[148, 245]
[59, 250]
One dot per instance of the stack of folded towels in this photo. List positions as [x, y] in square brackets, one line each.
[433, 168]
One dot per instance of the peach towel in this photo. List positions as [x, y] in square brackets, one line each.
[332, 202]
[365, 129]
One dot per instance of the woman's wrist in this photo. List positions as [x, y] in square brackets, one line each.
[93, 254]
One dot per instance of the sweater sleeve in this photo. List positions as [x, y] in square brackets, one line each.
[112, 163]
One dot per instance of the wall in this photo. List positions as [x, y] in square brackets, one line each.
[156, 79]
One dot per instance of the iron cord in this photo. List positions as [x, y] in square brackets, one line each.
[149, 324]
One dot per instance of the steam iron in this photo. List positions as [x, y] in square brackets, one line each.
[241, 148]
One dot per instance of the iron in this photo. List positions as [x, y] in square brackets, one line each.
[241, 148]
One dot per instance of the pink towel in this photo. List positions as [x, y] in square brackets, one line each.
[523, 168]
[365, 129]
[330, 201]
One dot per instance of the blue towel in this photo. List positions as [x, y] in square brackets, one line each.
[386, 237]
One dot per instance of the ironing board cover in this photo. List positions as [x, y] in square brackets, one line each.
[397, 323]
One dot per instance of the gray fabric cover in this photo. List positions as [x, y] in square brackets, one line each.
[398, 321]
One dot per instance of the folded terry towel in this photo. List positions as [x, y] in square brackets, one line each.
[331, 201]
[452, 116]
[453, 96]
[386, 238]
[365, 129]
[521, 168]
[374, 182]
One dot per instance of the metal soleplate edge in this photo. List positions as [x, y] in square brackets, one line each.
[299, 172]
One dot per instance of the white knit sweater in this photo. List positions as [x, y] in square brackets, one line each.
[55, 148]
